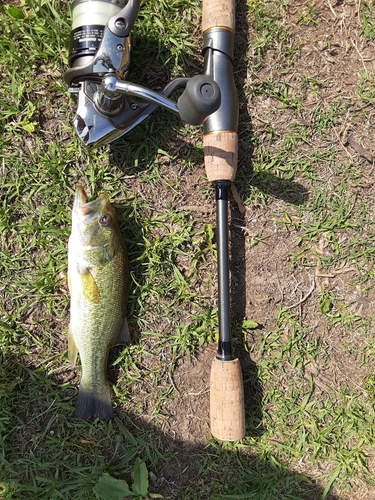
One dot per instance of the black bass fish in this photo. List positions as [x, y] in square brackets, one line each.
[98, 277]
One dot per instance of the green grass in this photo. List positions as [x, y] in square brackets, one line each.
[309, 434]
[368, 21]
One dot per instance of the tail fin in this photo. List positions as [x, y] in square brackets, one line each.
[91, 404]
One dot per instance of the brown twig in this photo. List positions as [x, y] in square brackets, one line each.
[305, 297]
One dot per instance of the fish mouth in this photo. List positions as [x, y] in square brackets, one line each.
[80, 197]
[85, 210]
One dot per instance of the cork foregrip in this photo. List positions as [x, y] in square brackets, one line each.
[220, 155]
[227, 413]
[218, 13]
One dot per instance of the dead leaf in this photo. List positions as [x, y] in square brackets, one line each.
[359, 148]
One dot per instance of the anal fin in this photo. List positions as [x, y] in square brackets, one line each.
[124, 334]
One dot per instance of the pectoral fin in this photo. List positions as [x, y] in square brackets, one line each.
[90, 288]
[72, 348]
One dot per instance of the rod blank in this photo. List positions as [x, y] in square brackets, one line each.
[224, 352]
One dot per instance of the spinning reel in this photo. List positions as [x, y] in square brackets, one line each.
[99, 58]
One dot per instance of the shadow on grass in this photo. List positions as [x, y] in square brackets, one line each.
[45, 454]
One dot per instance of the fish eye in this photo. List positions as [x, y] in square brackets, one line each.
[105, 220]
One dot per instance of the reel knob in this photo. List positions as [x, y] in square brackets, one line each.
[200, 99]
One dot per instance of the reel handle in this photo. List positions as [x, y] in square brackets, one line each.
[200, 99]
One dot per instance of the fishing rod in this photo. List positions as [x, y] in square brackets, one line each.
[220, 140]
[109, 106]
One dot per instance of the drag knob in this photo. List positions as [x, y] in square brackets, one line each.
[200, 99]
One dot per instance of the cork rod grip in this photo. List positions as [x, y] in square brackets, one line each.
[220, 155]
[227, 412]
[218, 13]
